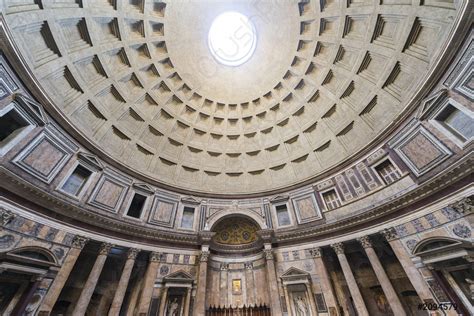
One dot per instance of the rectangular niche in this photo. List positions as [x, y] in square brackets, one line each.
[163, 212]
[420, 150]
[109, 193]
[306, 208]
[44, 157]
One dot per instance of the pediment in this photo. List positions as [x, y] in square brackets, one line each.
[179, 276]
[294, 272]
[34, 110]
[91, 160]
[430, 105]
[144, 187]
[279, 198]
[190, 200]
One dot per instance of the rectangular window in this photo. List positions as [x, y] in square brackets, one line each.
[188, 218]
[136, 207]
[11, 124]
[320, 303]
[387, 172]
[76, 181]
[331, 199]
[457, 122]
[282, 215]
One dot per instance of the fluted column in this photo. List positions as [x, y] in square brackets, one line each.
[326, 285]
[123, 282]
[249, 283]
[164, 298]
[200, 304]
[86, 294]
[287, 299]
[416, 279]
[187, 301]
[385, 283]
[148, 284]
[57, 285]
[351, 282]
[272, 281]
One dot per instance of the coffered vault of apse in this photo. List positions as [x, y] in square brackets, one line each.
[138, 81]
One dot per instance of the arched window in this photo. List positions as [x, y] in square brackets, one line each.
[34, 253]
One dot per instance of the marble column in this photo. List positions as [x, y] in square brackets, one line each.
[123, 282]
[89, 287]
[287, 299]
[200, 303]
[350, 279]
[310, 298]
[275, 305]
[164, 298]
[415, 277]
[249, 282]
[389, 291]
[25, 298]
[223, 285]
[326, 286]
[187, 302]
[149, 283]
[57, 285]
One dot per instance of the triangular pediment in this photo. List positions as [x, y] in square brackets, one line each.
[179, 276]
[430, 105]
[144, 188]
[291, 272]
[279, 198]
[91, 160]
[34, 110]
[190, 200]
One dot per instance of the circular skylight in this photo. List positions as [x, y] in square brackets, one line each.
[232, 38]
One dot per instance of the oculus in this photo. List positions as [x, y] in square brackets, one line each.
[232, 38]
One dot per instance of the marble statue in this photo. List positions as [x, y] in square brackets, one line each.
[173, 309]
[300, 306]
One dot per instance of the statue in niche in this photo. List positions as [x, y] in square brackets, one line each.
[300, 306]
[173, 309]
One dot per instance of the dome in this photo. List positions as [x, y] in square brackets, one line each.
[140, 84]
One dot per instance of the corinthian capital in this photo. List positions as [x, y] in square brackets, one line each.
[389, 233]
[132, 253]
[463, 206]
[268, 254]
[79, 242]
[105, 248]
[6, 216]
[365, 241]
[155, 256]
[204, 256]
[338, 248]
[316, 252]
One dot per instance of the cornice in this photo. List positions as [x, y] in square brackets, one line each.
[58, 205]
[372, 216]
[456, 172]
